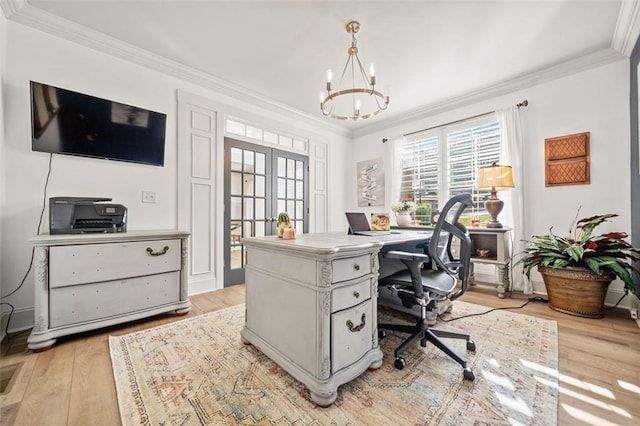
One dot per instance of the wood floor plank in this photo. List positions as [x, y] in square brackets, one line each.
[46, 400]
[93, 393]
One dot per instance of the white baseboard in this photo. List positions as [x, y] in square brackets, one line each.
[203, 286]
[20, 320]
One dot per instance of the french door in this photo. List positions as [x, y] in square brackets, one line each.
[259, 183]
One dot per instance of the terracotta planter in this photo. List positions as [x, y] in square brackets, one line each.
[576, 291]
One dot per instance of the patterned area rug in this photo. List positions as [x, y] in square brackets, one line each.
[197, 371]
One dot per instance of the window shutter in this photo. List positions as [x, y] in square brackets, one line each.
[465, 148]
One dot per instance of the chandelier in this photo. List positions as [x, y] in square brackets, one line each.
[356, 97]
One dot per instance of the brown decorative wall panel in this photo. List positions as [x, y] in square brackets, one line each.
[567, 160]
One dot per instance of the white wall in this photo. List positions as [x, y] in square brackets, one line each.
[34, 55]
[596, 101]
[3, 39]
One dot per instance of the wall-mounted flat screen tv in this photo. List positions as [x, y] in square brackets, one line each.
[67, 122]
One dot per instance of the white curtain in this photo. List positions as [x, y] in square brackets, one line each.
[512, 147]
[394, 152]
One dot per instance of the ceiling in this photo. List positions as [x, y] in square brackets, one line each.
[426, 53]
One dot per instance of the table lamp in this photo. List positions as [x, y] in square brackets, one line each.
[494, 178]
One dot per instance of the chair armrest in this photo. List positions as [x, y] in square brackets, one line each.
[407, 256]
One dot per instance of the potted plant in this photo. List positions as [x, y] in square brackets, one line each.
[577, 269]
[283, 223]
[423, 214]
[403, 210]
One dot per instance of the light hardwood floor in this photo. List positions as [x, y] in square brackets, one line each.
[72, 383]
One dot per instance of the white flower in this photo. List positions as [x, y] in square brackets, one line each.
[403, 207]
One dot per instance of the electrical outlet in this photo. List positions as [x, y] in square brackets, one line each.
[148, 197]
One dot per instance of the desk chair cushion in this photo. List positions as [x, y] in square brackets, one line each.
[439, 283]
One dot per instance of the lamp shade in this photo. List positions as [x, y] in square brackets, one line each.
[495, 177]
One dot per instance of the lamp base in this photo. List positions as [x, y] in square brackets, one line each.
[492, 224]
[494, 207]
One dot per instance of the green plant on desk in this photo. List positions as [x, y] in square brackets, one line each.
[423, 214]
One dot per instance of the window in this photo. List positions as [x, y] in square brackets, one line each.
[236, 126]
[440, 163]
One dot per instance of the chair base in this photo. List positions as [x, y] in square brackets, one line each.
[423, 333]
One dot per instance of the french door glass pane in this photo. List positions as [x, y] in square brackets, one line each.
[248, 208]
[260, 228]
[236, 208]
[236, 159]
[260, 186]
[299, 189]
[248, 162]
[299, 170]
[260, 163]
[248, 185]
[291, 184]
[282, 167]
[236, 183]
[260, 209]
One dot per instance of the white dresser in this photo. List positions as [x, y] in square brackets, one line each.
[311, 307]
[88, 281]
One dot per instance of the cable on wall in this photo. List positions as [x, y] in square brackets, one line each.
[44, 205]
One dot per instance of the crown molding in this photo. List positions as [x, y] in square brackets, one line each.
[627, 29]
[36, 18]
[594, 60]
[10, 7]
[625, 36]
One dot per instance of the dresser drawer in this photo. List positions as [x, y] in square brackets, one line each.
[351, 335]
[90, 302]
[353, 267]
[78, 264]
[351, 295]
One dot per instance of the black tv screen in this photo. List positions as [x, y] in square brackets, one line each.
[67, 122]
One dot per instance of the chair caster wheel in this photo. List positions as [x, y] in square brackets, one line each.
[382, 334]
[471, 346]
[400, 363]
[423, 343]
[468, 374]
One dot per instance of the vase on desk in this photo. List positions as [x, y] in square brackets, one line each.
[404, 219]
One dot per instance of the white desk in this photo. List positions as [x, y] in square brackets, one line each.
[311, 305]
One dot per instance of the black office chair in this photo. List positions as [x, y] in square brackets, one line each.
[429, 278]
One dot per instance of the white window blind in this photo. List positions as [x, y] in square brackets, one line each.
[444, 162]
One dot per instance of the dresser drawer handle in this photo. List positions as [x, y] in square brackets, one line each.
[158, 253]
[356, 294]
[356, 267]
[356, 328]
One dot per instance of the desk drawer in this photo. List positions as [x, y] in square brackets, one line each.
[90, 302]
[79, 264]
[353, 267]
[351, 335]
[346, 297]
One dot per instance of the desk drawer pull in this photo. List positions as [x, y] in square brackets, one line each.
[158, 253]
[356, 267]
[356, 294]
[358, 327]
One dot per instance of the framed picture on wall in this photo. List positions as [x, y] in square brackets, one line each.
[370, 182]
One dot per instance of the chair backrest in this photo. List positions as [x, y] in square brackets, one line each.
[441, 243]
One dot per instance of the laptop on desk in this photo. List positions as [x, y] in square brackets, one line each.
[359, 225]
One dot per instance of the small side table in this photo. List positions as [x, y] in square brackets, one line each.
[496, 243]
